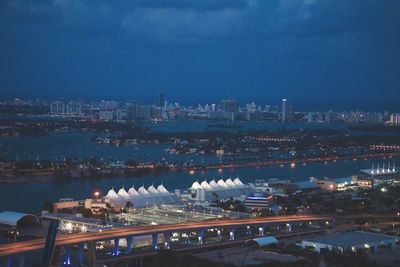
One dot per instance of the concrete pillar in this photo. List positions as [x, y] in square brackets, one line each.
[8, 262]
[56, 256]
[116, 247]
[289, 227]
[248, 230]
[91, 254]
[155, 241]
[232, 234]
[21, 261]
[80, 253]
[261, 230]
[201, 237]
[219, 235]
[167, 240]
[129, 241]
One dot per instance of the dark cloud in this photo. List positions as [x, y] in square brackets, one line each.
[270, 48]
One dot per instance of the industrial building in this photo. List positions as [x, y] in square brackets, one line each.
[351, 241]
[381, 174]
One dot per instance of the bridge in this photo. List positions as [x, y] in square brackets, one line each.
[90, 238]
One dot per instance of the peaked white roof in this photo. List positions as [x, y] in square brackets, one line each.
[162, 189]
[213, 184]
[132, 191]
[143, 190]
[196, 185]
[152, 190]
[205, 185]
[122, 193]
[111, 194]
[222, 183]
[237, 181]
[230, 183]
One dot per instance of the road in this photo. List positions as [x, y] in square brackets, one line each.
[72, 239]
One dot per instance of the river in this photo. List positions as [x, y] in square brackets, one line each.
[29, 197]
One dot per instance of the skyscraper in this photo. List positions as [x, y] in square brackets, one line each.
[230, 105]
[159, 100]
[286, 110]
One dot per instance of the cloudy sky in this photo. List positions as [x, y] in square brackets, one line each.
[318, 53]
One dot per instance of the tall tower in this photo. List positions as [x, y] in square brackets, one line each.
[286, 110]
[159, 100]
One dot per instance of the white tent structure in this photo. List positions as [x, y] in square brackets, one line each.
[152, 190]
[132, 191]
[143, 190]
[122, 193]
[222, 189]
[111, 194]
[142, 197]
[195, 186]
[205, 185]
[162, 190]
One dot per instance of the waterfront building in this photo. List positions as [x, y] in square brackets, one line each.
[141, 198]
[381, 174]
[73, 108]
[230, 105]
[57, 107]
[336, 184]
[395, 119]
[286, 110]
[217, 190]
[140, 112]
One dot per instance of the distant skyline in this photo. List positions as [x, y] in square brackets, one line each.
[339, 55]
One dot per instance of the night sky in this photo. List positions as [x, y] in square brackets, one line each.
[325, 54]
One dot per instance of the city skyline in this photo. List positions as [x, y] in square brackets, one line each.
[314, 52]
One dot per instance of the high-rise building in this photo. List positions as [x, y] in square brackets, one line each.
[159, 100]
[57, 107]
[139, 112]
[230, 105]
[395, 119]
[252, 108]
[73, 108]
[286, 110]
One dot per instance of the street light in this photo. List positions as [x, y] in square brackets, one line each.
[96, 194]
[14, 233]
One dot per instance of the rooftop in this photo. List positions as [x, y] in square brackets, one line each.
[348, 239]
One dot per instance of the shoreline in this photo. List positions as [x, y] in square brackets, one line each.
[8, 180]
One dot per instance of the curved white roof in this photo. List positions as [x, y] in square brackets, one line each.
[152, 190]
[237, 181]
[213, 184]
[205, 185]
[263, 241]
[222, 183]
[12, 218]
[196, 185]
[111, 194]
[122, 193]
[143, 190]
[230, 183]
[132, 191]
[162, 189]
